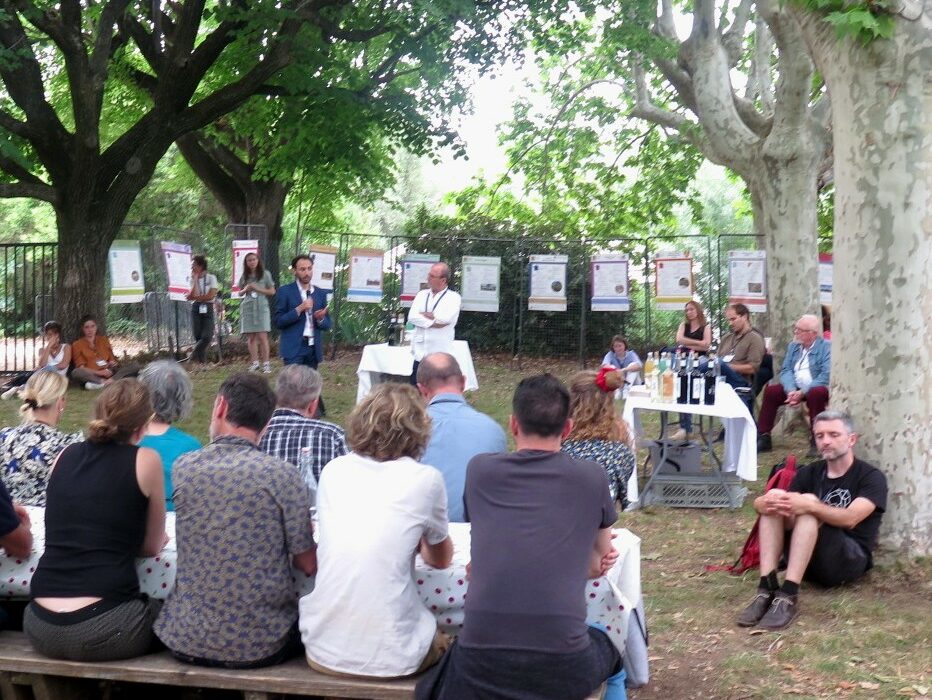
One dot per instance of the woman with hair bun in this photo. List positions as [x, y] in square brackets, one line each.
[105, 506]
[28, 450]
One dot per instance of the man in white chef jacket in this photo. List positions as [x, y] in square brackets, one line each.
[433, 314]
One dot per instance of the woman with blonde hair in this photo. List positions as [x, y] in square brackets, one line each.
[105, 507]
[598, 433]
[377, 507]
[28, 450]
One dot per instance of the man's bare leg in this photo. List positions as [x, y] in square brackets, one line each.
[771, 531]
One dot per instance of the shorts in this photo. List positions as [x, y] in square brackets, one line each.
[836, 559]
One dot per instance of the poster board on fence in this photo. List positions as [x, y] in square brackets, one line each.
[177, 258]
[365, 275]
[747, 279]
[608, 274]
[325, 266]
[673, 281]
[127, 285]
[826, 271]
[547, 283]
[241, 249]
[481, 283]
[414, 270]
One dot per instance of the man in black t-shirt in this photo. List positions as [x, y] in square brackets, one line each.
[541, 526]
[828, 522]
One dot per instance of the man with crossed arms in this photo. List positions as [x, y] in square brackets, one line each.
[433, 314]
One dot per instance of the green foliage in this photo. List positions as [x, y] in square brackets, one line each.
[864, 21]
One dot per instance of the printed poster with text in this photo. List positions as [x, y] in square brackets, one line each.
[365, 276]
[826, 268]
[548, 283]
[673, 283]
[126, 283]
[747, 279]
[177, 258]
[240, 250]
[481, 283]
[609, 277]
[414, 270]
[325, 266]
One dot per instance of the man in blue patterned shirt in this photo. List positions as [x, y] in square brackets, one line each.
[293, 427]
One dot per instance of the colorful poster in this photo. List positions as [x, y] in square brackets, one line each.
[126, 282]
[177, 258]
[325, 266]
[609, 277]
[414, 270]
[673, 282]
[826, 268]
[240, 250]
[481, 283]
[548, 283]
[747, 279]
[365, 276]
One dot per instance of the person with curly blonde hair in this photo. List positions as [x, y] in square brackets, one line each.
[377, 507]
[105, 506]
[598, 433]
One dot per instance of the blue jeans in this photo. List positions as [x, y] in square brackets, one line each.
[737, 381]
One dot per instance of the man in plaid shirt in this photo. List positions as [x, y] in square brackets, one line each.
[292, 428]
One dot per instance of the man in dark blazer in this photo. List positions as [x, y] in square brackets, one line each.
[301, 314]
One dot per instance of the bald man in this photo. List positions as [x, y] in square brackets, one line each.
[803, 379]
[434, 313]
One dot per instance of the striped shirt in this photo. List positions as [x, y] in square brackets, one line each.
[289, 431]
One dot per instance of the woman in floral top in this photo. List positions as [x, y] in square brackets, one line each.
[29, 450]
[598, 433]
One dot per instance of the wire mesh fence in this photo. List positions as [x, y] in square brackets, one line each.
[516, 328]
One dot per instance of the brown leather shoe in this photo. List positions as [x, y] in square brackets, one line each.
[783, 610]
[752, 614]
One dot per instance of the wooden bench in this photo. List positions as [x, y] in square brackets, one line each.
[22, 669]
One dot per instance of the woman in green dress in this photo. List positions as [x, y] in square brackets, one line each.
[254, 320]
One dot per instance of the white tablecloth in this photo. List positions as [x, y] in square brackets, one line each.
[609, 599]
[740, 431]
[383, 358]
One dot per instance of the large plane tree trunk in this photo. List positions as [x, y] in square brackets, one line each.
[882, 288]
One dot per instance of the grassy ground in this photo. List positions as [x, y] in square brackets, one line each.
[869, 640]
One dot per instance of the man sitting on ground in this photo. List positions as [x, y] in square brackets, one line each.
[242, 519]
[741, 352]
[803, 378]
[830, 517]
[293, 427]
[543, 518]
[459, 432]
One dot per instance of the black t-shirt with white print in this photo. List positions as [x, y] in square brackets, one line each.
[862, 480]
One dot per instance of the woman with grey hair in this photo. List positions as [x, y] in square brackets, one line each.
[172, 400]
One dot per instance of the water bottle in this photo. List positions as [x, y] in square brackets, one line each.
[306, 470]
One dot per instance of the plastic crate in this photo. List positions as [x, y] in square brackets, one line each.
[695, 491]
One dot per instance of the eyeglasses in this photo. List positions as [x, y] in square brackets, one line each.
[798, 329]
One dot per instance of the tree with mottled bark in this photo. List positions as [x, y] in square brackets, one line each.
[881, 90]
[739, 89]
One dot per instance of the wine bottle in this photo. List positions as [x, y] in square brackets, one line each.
[711, 373]
[696, 381]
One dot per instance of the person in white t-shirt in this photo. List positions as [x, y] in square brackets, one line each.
[434, 313]
[204, 288]
[377, 507]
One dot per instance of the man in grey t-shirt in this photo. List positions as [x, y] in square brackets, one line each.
[541, 518]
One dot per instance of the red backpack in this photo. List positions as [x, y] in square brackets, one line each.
[780, 478]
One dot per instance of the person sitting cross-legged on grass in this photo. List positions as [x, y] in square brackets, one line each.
[829, 520]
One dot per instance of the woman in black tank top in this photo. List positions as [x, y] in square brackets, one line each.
[105, 505]
[694, 333]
